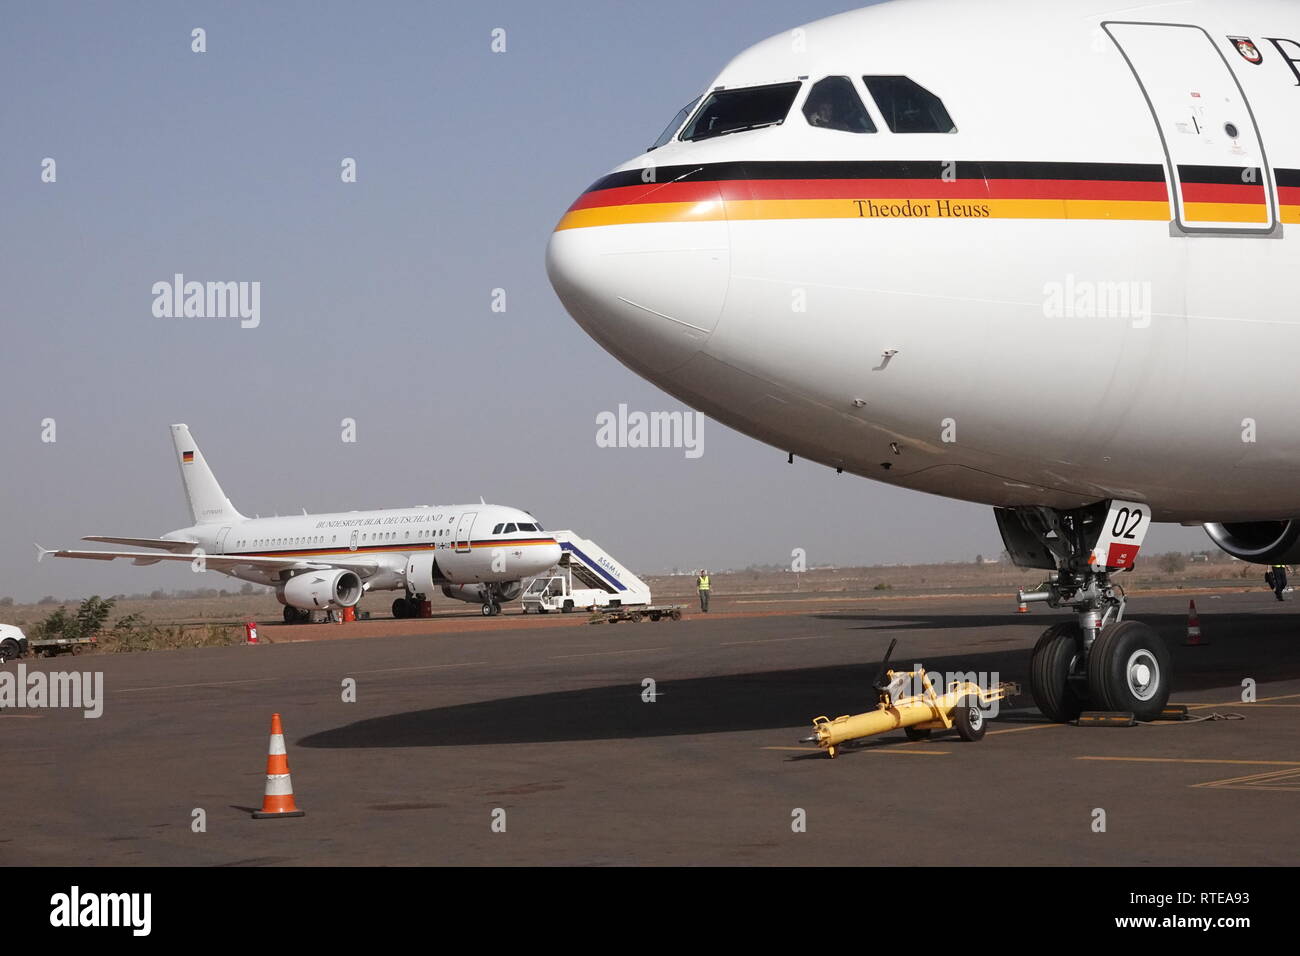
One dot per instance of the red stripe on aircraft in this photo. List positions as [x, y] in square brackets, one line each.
[1252, 193]
[879, 189]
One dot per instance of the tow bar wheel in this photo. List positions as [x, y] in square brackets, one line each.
[969, 719]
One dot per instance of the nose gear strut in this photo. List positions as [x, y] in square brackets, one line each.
[1099, 659]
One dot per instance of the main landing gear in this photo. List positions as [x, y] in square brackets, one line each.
[406, 607]
[1098, 661]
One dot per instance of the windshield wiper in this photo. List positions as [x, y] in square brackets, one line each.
[742, 129]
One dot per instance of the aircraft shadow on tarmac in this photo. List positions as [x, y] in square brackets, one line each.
[1241, 645]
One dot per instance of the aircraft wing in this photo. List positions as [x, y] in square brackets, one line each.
[164, 544]
[218, 562]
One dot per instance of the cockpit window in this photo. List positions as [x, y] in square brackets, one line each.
[733, 111]
[833, 104]
[907, 106]
[671, 129]
[527, 527]
[508, 529]
[497, 529]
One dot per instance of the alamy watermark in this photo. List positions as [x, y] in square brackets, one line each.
[624, 429]
[1075, 298]
[49, 689]
[179, 299]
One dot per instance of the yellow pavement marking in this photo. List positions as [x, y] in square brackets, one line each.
[1267, 763]
[263, 680]
[866, 750]
[215, 683]
[1255, 781]
[630, 650]
[775, 640]
[1016, 730]
[24, 716]
[420, 667]
[1239, 703]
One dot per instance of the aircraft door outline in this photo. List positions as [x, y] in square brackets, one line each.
[463, 529]
[1217, 169]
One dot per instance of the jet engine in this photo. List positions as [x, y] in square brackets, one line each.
[478, 593]
[1262, 542]
[314, 590]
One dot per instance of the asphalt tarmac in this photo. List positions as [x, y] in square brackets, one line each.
[525, 740]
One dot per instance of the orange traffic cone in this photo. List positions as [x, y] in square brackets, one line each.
[278, 800]
[1023, 608]
[1193, 627]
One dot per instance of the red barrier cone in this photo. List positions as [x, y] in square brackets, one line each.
[250, 632]
[278, 798]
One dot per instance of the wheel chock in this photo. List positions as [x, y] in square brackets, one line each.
[1106, 718]
[1173, 712]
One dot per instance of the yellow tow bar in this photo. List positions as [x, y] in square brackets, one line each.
[960, 706]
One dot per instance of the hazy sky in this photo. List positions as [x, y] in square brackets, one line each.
[375, 295]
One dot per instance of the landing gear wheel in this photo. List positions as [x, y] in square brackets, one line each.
[496, 608]
[1129, 670]
[293, 615]
[400, 608]
[916, 733]
[1049, 672]
[486, 610]
[969, 720]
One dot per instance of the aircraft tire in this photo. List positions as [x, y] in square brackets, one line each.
[1049, 672]
[1129, 670]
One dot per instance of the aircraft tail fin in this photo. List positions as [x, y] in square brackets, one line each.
[208, 503]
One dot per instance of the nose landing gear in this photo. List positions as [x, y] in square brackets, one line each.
[1099, 660]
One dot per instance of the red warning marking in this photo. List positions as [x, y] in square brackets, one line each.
[1121, 556]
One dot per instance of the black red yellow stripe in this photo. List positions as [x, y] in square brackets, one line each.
[926, 190]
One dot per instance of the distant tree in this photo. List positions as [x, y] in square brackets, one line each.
[89, 619]
[6, 602]
[246, 589]
[157, 595]
[48, 599]
[979, 559]
[1172, 562]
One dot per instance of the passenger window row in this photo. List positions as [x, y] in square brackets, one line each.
[369, 538]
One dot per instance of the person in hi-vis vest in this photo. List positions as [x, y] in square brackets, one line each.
[702, 583]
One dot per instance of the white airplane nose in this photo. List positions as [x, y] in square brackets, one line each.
[548, 556]
[646, 280]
